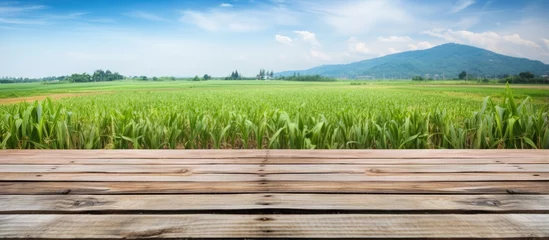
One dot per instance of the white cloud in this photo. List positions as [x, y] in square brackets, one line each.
[487, 40]
[283, 39]
[22, 21]
[466, 22]
[11, 9]
[224, 20]
[308, 37]
[361, 48]
[461, 5]
[17, 14]
[355, 46]
[226, 5]
[546, 42]
[320, 55]
[75, 15]
[513, 45]
[395, 39]
[393, 51]
[356, 17]
[146, 16]
[516, 39]
[204, 22]
[420, 46]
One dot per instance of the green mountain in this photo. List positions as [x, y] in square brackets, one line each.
[446, 60]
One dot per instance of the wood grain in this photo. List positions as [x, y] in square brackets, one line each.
[115, 226]
[177, 194]
[185, 176]
[211, 202]
[32, 188]
[350, 154]
[278, 169]
[42, 160]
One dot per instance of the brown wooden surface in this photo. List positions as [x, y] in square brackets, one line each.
[121, 194]
[281, 225]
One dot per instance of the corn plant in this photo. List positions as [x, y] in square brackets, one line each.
[276, 119]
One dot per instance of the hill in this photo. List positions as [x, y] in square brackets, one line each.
[447, 59]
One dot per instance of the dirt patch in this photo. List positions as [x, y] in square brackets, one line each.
[42, 97]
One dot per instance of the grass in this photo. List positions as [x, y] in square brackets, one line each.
[272, 114]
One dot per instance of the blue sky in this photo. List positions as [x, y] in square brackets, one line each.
[186, 38]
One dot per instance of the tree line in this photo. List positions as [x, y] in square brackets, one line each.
[98, 76]
[306, 78]
[29, 80]
[525, 77]
[522, 77]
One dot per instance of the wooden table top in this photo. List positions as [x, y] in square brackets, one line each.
[128, 194]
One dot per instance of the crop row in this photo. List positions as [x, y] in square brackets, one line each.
[318, 119]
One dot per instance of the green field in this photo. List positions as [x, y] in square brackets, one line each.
[274, 114]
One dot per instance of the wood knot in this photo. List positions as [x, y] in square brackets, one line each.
[264, 219]
[65, 191]
[512, 191]
[374, 170]
[83, 203]
[147, 233]
[487, 202]
[264, 203]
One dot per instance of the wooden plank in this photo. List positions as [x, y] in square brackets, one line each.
[175, 169]
[151, 154]
[277, 169]
[44, 160]
[411, 153]
[407, 177]
[257, 226]
[364, 202]
[186, 176]
[94, 188]
[350, 154]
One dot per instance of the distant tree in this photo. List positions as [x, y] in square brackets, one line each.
[462, 75]
[207, 77]
[84, 77]
[144, 78]
[234, 76]
[155, 79]
[98, 75]
[526, 75]
[417, 78]
[196, 78]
